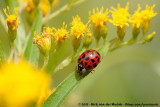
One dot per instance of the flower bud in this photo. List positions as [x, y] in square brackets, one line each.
[12, 23]
[135, 31]
[88, 40]
[149, 37]
[121, 32]
[76, 42]
[145, 27]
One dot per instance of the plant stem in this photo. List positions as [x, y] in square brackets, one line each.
[12, 52]
[61, 10]
[46, 59]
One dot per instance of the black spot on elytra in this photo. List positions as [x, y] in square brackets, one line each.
[98, 59]
[83, 56]
[93, 60]
[79, 59]
[97, 53]
[87, 58]
[96, 56]
[88, 66]
[82, 62]
[85, 63]
[94, 64]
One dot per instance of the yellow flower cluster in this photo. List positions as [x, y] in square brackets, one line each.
[120, 16]
[44, 41]
[22, 85]
[99, 21]
[12, 19]
[78, 29]
[61, 34]
[99, 18]
[146, 16]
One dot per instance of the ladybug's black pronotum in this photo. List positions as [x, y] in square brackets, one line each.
[88, 60]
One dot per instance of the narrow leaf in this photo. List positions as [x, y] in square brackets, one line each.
[21, 36]
[62, 91]
[32, 52]
[2, 54]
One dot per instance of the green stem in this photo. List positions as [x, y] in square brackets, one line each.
[12, 52]
[61, 10]
[46, 59]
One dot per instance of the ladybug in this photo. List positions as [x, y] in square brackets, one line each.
[88, 60]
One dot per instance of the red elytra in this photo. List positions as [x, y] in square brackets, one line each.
[88, 60]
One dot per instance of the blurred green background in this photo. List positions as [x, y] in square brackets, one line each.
[130, 74]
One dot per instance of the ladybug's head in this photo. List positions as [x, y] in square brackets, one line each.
[81, 69]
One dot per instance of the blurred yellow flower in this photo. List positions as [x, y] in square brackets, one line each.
[30, 6]
[99, 19]
[120, 16]
[12, 19]
[148, 13]
[44, 4]
[21, 85]
[146, 16]
[78, 29]
[44, 41]
[136, 18]
[136, 22]
[61, 34]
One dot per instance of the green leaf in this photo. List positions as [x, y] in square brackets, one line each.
[2, 54]
[62, 91]
[21, 37]
[32, 52]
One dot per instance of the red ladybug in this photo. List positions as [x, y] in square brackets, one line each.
[88, 60]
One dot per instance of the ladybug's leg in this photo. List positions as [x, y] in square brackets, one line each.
[91, 71]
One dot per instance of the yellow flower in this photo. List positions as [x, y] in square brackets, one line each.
[148, 13]
[99, 21]
[12, 19]
[30, 6]
[136, 18]
[136, 21]
[21, 85]
[61, 34]
[44, 41]
[45, 6]
[146, 16]
[99, 18]
[120, 16]
[78, 29]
